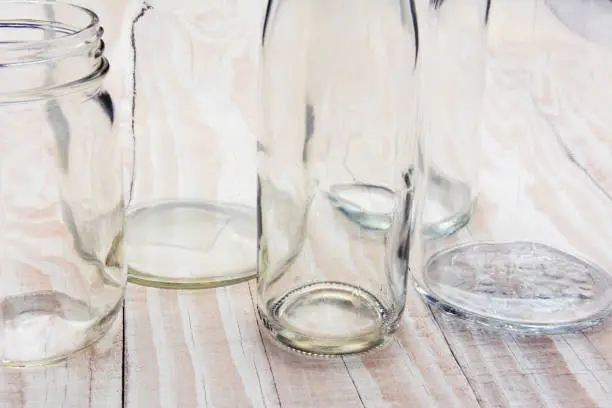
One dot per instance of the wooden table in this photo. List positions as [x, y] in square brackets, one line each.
[205, 349]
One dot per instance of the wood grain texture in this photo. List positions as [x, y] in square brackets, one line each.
[195, 349]
[205, 348]
[92, 378]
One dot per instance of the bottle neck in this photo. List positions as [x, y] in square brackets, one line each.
[48, 49]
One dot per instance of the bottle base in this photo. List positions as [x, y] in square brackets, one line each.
[327, 319]
[45, 328]
[523, 287]
[191, 245]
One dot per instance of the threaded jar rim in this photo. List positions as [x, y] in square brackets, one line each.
[69, 32]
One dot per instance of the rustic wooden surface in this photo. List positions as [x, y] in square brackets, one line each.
[205, 349]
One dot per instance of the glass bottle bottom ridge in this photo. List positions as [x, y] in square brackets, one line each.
[326, 319]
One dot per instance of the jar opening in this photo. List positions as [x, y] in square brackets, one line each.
[47, 47]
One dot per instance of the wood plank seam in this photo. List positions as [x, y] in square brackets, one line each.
[261, 391]
[124, 361]
[477, 397]
[261, 336]
[353, 381]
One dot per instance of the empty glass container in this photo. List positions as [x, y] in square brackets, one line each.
[336, 200]
[452, 50]
[535, 257]
[62, 271]
[192, 212]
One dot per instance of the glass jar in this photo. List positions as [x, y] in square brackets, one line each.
[62, 270]
[535, 257]
[339, 90]
[191, 218]
[453, 42]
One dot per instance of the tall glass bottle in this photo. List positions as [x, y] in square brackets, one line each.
[452, 57]
[339, 90]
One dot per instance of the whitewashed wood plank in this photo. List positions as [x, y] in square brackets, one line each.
[418, 369]
[515, 371]
[199, 348]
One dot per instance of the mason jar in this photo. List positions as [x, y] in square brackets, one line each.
[62, 269]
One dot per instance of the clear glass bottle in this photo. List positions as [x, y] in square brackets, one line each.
[62, 270]
[535, 257]
[453, 50]
[339, 88]
[191, 214]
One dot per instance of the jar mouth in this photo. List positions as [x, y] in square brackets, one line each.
[48, 45]
[73, 23]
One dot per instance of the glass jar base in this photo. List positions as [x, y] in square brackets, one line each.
[448, 207]
[66, 325]
[450, 225]
[189, 245]
[326, 319]
[371, 206]
[523, 287]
